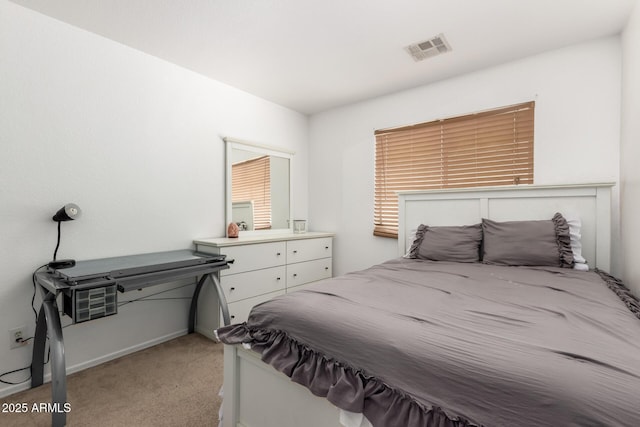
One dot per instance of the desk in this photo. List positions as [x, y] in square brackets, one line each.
[88, 291]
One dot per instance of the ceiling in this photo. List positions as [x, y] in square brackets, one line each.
[311, 55]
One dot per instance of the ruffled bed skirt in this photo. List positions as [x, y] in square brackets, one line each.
[619, 288]
[346, 388]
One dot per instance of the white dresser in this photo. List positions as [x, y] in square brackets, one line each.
[269, 265]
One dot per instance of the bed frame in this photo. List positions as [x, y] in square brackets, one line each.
[256, 395]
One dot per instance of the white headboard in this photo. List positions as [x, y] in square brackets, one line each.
[589, 202]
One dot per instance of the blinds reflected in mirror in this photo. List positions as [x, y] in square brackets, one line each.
[251, 183]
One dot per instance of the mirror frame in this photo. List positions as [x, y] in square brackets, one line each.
[231, 144]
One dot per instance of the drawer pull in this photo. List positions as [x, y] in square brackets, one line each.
[295, 275]
[326, 247]
[232, 289]
[233, 317]
[278, 254]
[277, 278]
[326, 268]
[295, 252]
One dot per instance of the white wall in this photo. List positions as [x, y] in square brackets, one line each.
[135, 142]
[630, 153]
[577, 133]
[280, 200]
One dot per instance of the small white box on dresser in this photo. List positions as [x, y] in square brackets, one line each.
[266, 266]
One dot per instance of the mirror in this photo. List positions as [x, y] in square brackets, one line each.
[258, 191]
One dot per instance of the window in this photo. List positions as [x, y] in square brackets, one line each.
[251, 181]
[482, 149]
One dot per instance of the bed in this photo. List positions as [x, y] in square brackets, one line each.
[432, 338]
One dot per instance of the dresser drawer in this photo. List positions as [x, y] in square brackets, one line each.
[310, 271]
[239, 311]
[308, 249]
[267, 265]
[244, 285]
[255, 257]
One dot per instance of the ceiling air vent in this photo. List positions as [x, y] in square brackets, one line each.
[428, 48]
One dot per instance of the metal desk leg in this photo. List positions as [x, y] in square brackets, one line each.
[194, 304]
[37, 360]
[221, 299]
[49, 319]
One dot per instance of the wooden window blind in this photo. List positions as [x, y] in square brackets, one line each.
[482, 149]
[251, 181]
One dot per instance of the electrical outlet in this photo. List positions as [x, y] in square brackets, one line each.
[17, 337]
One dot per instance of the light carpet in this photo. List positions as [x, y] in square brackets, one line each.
[175, 383]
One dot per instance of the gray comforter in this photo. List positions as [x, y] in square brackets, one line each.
[421, 343]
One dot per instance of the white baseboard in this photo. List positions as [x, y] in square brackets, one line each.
[207, 332]
[123, 352]
[102, 359]
[13, 389]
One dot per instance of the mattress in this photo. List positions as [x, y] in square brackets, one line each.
[422, 343]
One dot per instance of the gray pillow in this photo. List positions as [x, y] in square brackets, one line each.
[530, 243]
[454, 243]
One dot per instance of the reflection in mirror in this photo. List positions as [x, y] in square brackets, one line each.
[258, 185]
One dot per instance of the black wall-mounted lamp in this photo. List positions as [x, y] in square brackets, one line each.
[68, 212]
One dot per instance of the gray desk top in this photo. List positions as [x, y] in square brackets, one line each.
[133, 264]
